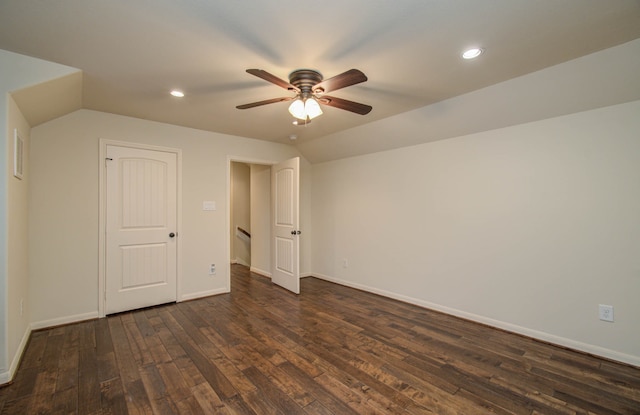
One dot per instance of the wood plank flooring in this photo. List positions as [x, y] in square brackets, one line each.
[331, 350]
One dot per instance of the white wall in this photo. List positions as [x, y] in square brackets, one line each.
[64, 206]
[528, 227]
[17, 71]
[18, 283]
[240, 213]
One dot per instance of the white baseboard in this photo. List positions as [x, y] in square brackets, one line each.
[64, 320]
[539, 335]
[6, 377]
[260, 271]
[241, 262]
[268, 274]
[201, 294]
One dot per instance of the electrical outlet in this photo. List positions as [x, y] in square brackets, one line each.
[212, 269]
[605, 312]
[345, 263]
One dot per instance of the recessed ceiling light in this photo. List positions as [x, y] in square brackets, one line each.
[177, 93]
[293, 137]
[472, 53]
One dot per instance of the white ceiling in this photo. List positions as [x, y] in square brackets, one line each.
[133, 52]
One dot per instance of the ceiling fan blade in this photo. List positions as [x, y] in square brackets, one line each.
[265, 102]
[272, 78]
[344, 104]
[351, 77]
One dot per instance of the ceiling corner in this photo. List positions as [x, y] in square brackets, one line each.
[49, 100]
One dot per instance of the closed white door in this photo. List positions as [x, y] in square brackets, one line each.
[141, 220]
[285, 231]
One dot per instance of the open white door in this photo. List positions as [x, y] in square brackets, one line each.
[141, 222]
[285, 179]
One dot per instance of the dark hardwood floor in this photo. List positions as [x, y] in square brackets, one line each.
[331, 350]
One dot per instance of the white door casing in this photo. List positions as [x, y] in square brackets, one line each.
[140, 219]
[285, 231]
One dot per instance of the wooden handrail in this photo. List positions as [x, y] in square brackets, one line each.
[244, 232]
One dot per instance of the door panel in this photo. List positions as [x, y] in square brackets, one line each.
[284, 255]
[141, 216]
[142, 265]
[285, 179]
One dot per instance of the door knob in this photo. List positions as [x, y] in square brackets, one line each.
[171, 235]
[295, 232]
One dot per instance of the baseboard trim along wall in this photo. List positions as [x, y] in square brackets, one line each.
[6, 377]
[268, 274]
[538, 335]
[241, 262]
[260, 271]
[201, 294]
[64, 320]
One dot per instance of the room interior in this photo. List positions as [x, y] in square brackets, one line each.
[502, 190]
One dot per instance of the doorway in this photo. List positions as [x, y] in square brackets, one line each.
[270, 193]
[249, 216]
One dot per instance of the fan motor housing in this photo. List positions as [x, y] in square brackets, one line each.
[305, 79]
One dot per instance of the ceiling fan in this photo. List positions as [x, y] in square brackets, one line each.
[309, 88]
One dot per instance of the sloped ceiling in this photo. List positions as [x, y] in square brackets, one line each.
[133, 53]
[49, 100]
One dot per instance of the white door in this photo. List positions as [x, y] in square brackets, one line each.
[285, 179]
[141, 218]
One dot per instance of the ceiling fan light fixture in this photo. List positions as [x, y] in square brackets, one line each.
[297, 109]
[305, 109]
[309, 87]
[312, 108]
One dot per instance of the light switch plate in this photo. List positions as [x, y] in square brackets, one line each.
[208, 205]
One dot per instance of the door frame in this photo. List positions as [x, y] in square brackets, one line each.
[236, 159]
[102, 209]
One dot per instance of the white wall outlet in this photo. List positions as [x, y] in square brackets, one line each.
[605, 312]
[345, 263]
[212, 269]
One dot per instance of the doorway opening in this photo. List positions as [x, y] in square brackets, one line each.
[263, 219]
[250, 216]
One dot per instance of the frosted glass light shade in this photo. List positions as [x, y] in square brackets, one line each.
[309, 108]
[297, 109]
[312, 108]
